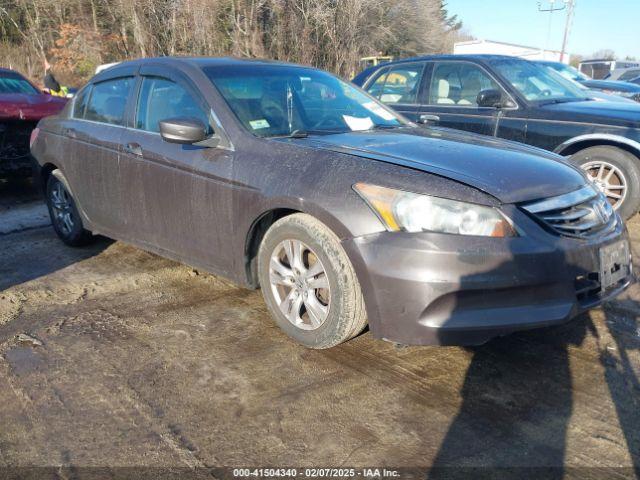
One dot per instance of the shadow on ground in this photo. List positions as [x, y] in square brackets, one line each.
[519, 391]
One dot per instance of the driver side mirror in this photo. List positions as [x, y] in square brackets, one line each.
[492, 98]
[183, 130]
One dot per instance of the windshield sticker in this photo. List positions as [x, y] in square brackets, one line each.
[376, 109]
[355, 123]
[258, 124]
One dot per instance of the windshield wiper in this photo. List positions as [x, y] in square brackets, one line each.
[561, 100]
[386, 127]
[294, 134]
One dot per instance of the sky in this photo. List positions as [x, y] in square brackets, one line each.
[597, 24]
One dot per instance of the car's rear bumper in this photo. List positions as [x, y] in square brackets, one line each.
[435, 289]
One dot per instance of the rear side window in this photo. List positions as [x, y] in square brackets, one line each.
[400, 84]
[108, 101]
[161, 99]
[80, 102]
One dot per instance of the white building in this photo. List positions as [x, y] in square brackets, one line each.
[474, 47]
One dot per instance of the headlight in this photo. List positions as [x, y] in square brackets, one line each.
[411, 212]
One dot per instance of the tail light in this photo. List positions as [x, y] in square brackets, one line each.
[34, 135]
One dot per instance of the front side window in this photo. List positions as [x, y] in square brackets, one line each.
[399, 85]
[108, 101]
[459, 83]
[538, 83]
[13, 83]
[629, 75]
[161, 99]
[281, 100]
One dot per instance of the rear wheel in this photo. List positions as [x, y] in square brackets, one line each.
[616, 173]
[309, 284]
[64, 214]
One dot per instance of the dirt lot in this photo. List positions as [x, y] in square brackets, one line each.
[133, 360]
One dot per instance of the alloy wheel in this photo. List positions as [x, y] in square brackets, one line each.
[62, 208]
[609, 179]
[299, 284]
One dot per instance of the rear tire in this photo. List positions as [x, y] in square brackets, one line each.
[335, 313]
[628, 168]
[64, 214]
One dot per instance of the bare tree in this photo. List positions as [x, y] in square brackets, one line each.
[331, 34]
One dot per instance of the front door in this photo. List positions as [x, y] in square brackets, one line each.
[93, 166]
[451, 98]
[180, 195]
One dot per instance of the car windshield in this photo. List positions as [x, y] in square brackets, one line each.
[278, 100]
[14, 83]
[538, 83]
[567, 71]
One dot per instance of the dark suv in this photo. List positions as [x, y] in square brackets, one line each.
[523, 101]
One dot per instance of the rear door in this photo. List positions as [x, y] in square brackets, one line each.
[399, 86]
[450, 99]
[179, 195]
[93, 162]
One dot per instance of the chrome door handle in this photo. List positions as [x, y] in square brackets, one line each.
[133, 148]
[71, 133]
[428, 118]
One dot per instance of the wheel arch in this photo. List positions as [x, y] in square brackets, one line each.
[272, 214]
[254, 237]
[45, 172]
[576, 144]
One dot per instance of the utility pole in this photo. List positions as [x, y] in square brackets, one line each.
[567, 26]
[552, 8]
[570, 6]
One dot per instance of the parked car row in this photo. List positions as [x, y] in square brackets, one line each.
[346, 212]
[515, 99]
[624, 89]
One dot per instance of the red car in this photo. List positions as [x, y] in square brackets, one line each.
[22, 105]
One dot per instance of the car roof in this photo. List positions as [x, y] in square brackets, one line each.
[200, 61]
[476, 57]
[128, 67]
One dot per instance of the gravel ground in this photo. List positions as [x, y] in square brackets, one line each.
[113, 357]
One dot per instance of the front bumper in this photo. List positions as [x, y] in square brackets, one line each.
[438, 289]
[15, 159]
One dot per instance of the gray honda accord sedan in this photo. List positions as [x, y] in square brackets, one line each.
[346, 214]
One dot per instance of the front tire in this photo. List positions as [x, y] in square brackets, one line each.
[616, 173]
[309, 284]
[64, 214]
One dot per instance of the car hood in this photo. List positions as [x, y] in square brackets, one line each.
[508, 171]
[612, 85]
[606, 113]
[21, 106]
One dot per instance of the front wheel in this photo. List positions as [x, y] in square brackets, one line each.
[616, 173]
[64, 214]
[309, 284]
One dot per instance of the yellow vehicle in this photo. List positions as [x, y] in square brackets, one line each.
[366, 62]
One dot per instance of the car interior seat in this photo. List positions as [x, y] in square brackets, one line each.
[443, 93]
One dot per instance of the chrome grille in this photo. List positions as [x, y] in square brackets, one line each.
[581, 213]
